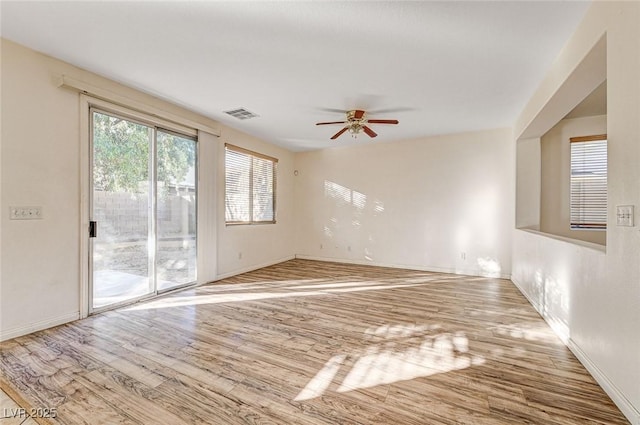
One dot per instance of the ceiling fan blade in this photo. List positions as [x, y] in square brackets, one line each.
[335, 136]
[383, 121]
[358, 114]
[332, 122]
[369, 132]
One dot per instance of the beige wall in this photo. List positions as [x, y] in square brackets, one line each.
[40, 166]
[603, 311]
[263, 244]
[41, 277]
[438, 203]
[556, 173]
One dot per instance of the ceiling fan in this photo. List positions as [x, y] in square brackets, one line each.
[356, 122]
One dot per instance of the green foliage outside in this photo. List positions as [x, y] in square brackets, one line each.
[121, 155]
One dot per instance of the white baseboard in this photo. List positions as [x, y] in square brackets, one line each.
[535, 305]
[561, 330]
[463, 272]
[38, 326]
[253, 267]
[609, 387]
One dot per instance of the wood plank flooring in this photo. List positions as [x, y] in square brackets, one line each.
[306, 342]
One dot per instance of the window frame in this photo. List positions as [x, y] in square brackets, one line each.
[584, 225]
[252, 155]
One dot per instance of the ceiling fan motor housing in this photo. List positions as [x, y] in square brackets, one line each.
[355, 120]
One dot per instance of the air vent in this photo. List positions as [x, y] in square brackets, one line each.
[241, 114]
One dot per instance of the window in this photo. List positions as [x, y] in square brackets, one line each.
[250, 187]
[589, 182]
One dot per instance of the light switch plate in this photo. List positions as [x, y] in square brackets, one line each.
[624, 215]
[25, 213]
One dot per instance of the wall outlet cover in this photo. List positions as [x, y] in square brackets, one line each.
[624, 215]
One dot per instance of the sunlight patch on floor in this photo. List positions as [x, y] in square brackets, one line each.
[227, 297]
[396, 353]
[385, 366]
[321, 381]
[177, 301]
[536, 332]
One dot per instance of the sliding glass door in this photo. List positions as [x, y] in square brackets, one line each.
[176, 210]
[143, 210]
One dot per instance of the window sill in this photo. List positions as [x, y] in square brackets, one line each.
[255, 223]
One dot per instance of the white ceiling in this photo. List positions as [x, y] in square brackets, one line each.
[438, 67]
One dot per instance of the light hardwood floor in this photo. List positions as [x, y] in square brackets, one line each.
[307, 342]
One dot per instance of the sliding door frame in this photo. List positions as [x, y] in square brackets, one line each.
[87, 106]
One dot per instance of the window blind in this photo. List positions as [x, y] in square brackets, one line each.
[589, 182]
[262, 189]
[249, 186]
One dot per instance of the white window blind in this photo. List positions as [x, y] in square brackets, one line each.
[250, 188]
[589, 182]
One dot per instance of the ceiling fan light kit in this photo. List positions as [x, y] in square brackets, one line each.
[356, 122]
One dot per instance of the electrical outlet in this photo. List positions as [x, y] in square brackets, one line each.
[463, 255]
[239, 256]
[25, 213]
